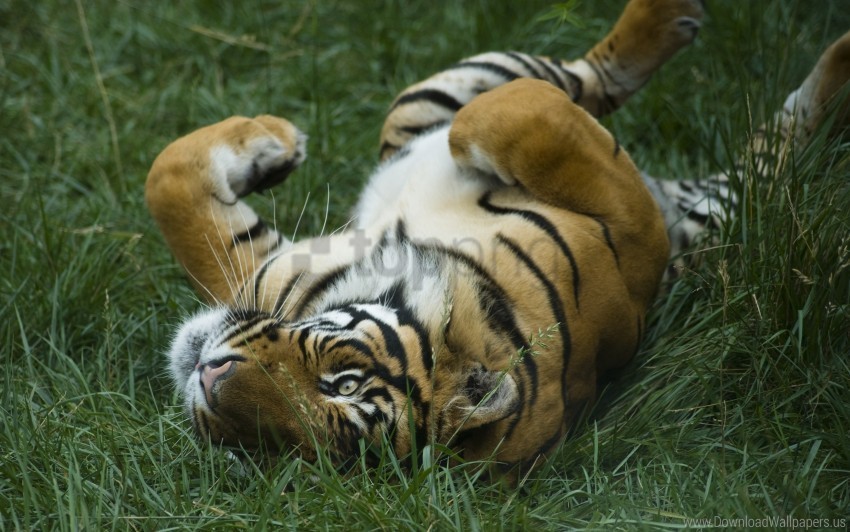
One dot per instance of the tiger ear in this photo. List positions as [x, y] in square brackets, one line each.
[488, 396]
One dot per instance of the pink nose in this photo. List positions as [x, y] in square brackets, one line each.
[209, 375]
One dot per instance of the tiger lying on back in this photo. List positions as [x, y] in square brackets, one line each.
[503, 221]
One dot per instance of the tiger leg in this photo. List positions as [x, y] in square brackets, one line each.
[528, 132]
[193, 191]
[807, 107]
[646, 35]
[692, 205]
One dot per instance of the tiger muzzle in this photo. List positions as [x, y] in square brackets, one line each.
[211, 376]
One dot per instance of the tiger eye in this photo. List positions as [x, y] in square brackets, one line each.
[347, 387]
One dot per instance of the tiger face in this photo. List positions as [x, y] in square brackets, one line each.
[249, 380]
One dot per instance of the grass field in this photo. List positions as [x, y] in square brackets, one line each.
[737, 407]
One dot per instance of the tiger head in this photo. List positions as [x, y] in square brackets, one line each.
[362, 372]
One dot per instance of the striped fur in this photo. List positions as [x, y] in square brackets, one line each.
[500, 259]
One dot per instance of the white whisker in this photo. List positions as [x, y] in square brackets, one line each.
[283, 310]
[243, 260]
[327, 210]
[221, 267]
[230, 282]
[204, 287]
[300, 216]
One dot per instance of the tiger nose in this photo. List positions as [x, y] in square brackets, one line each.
[211, 373]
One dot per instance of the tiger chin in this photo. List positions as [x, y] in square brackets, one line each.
[501, 257]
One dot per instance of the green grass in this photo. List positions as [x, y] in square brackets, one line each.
[738, 405]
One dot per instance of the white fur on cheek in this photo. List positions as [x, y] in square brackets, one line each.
[189, 343]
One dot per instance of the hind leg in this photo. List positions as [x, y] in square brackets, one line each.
[529, 133]
[690, 206]
[646, 35]
[808, 107]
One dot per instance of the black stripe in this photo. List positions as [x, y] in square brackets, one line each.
[494, 303]
[303, 336]
[500, 317]
[577, 83]
[284, 294]
[316, 338]
[543, 449]
[258, 278]
[386, 146]
[418, 130]
[274, 247]
[400, 153]
[320, 287]
[606, 232]
[435, 96]
[253, 232]
[699, 218]
[236, 315]
[547, 227]
[394, 346]
[609, 104]
[552, 76]
[378, 392]
[243, 327]
[401, 231]
[639, 336]
[328, 337]
[520, 58]
[493, 68]
[557, 310]
[354, 344]
[261, 180]
[602, 68]
[268, 331]
[394, 298]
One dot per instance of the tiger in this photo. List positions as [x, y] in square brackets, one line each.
[500, 260]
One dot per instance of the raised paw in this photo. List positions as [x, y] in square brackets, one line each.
[232, 158]
[253, 155]
[193, 191]
[645, 36]
[650, 31]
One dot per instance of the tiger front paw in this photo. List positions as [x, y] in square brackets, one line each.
[229, 159]
[252, 155]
